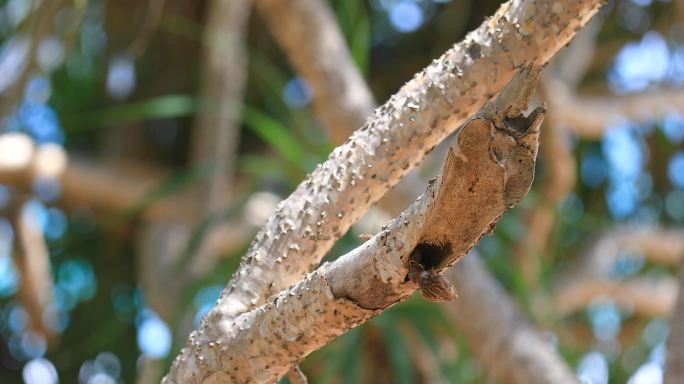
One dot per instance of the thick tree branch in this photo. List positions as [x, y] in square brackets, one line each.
[324, 61]
[394, 140]
[313, 42]
[489, 168]
[497, 331]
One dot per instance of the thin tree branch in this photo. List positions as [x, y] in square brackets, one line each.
[489, 169]
[497, 331]
[591, 277]
[646, 296]
[589, 117]
[224, 75]
[114, 187]
[33, 261]
[659, 246]
[674, 366]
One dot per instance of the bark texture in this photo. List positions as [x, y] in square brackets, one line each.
[393, 140]
[399, 134]
[489, 168]
[496, 329]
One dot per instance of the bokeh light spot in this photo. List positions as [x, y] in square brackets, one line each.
[406, 16]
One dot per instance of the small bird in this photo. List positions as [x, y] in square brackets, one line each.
[433, 286]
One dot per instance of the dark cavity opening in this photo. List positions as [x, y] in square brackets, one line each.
[518, 124]
[432, 255]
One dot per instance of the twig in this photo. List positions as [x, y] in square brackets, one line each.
[33, 261]
[296, 376]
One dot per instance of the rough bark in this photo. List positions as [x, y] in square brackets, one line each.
[313, 42]
[497, 331]
[394, 140]
[674, 366]
[489, 168]
[309, 34]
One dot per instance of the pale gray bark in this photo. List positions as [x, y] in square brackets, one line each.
[489, 168]
[324, 61]
[394, 140]
[323, 207]
[498, 332]
[312, 40]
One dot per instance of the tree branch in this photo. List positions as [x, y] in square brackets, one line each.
[224, 70]
[589, 117]
[496, 330]
[489, 169]
[309, 34]
[394, 140]
[646, 296]
[591, 277]
[674, 366]
[115, 187]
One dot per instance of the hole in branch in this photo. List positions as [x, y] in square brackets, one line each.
[432, 255]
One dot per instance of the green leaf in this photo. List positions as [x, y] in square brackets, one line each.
[169, 187]
[276, 135]
[402, 365]
[156, 108]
